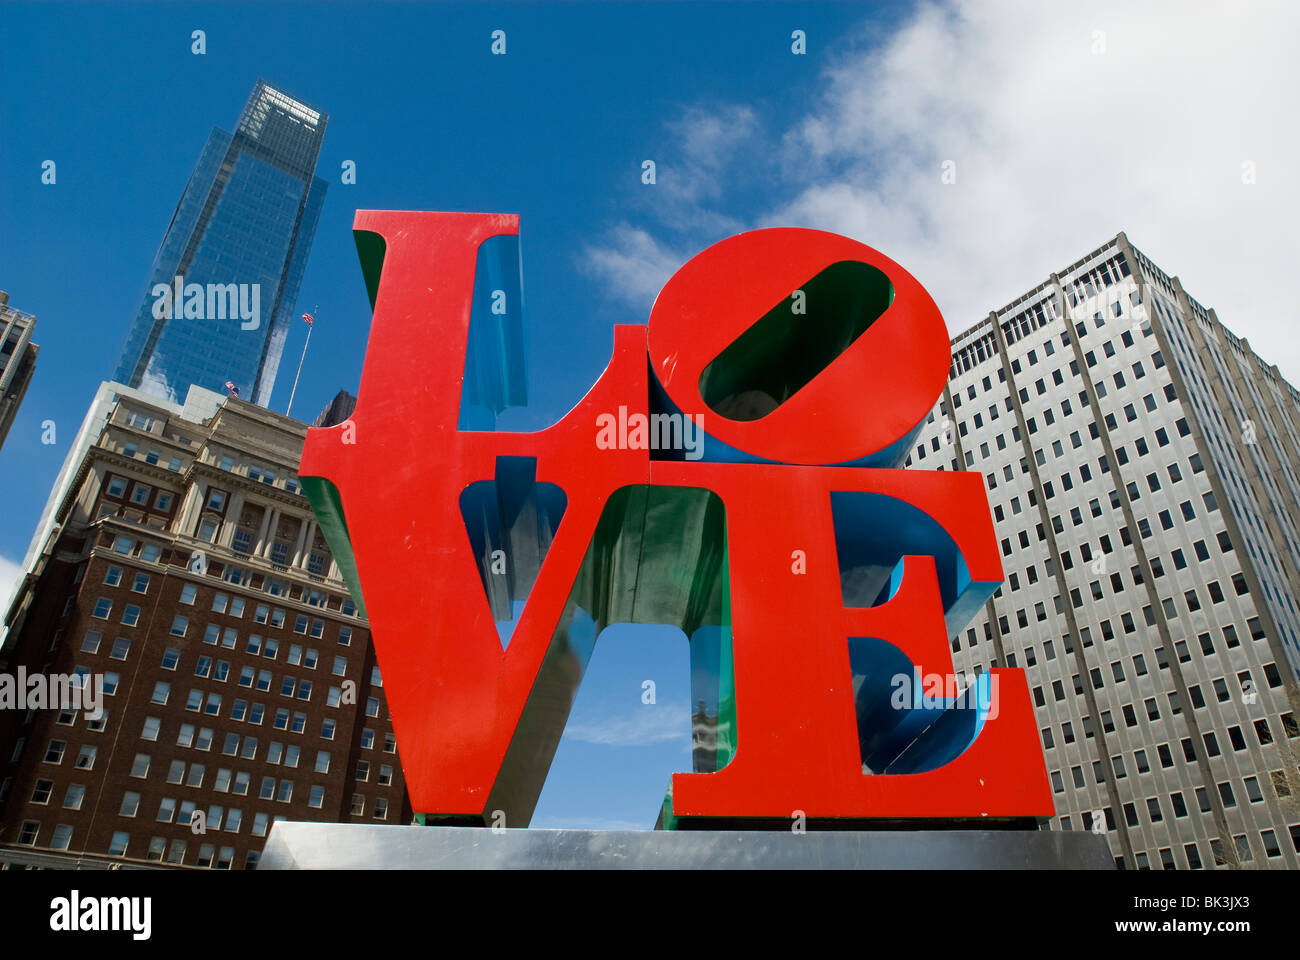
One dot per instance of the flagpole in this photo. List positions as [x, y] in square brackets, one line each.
[289, 412]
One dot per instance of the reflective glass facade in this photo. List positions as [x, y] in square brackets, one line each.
[238, 241]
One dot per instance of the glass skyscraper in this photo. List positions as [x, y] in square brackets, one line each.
[225, 281]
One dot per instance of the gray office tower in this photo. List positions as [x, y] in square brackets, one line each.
[17, 361]
[1141, 464]
[225, 281]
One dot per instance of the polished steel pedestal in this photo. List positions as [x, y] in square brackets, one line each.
[345, 846]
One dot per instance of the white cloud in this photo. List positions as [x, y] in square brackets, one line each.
[1056, 149]
[647, 725]
[633, 265]
[696, 170]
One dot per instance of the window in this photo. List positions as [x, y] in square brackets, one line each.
[161, 691]
[54, 752]
[166, 810]
[61, 838]
[74, 796]
[176, 851]
[1153, 810]
[118, 844]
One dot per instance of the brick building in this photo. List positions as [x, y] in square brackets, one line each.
[178, 559]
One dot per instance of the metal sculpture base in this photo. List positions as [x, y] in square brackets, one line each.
[345, 846]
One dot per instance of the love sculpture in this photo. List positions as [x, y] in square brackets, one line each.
[807, 573]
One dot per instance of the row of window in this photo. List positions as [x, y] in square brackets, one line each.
[210, 702]
[131, 449]
[1192, 853]
[259, 474]
[141, 494]
[209, 855]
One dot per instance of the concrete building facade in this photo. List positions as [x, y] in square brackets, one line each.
[1141, 465]
[17, 361]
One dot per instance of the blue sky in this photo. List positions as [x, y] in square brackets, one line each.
[1064, 125]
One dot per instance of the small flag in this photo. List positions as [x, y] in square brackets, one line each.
[309, 318]
[230, 385]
